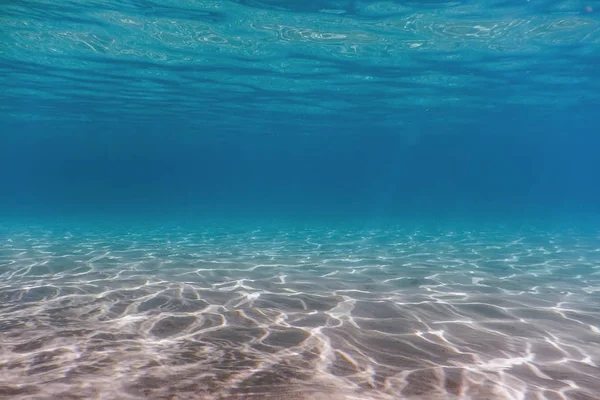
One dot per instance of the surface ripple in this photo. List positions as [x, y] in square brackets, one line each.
[115, 61]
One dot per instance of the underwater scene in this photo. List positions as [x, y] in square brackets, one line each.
[303, 200]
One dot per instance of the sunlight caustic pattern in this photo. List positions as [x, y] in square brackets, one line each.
[304, 314]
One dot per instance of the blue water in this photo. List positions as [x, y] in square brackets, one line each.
[335, 199]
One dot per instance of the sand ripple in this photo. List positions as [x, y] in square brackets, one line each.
[299, 314]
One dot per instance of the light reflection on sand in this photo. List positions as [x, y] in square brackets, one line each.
[310, 314]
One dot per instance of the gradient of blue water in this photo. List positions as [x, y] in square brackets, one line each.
[168, 136]
[337, 105]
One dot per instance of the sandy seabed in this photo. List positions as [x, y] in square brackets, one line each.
[299, 314]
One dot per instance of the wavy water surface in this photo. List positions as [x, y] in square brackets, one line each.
[232, 63]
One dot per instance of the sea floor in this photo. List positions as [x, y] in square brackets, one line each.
[299, 313]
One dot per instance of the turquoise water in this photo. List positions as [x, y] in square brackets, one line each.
[305, 200]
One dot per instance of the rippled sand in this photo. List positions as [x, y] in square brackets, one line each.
[299, 314]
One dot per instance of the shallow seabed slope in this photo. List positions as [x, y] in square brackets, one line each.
[307, 313]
